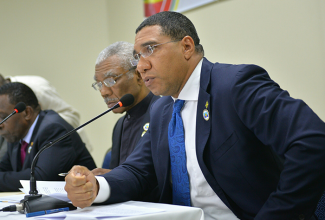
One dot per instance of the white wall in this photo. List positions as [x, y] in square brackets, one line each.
[60, 40]
[286, 37]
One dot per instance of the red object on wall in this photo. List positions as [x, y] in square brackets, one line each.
[152, 7]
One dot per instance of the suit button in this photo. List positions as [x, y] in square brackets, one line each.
[301, 217]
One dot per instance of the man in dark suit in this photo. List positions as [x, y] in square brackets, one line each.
[27, 132]
[115, 77]
[245, 149]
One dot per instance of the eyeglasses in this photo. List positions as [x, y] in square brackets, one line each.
[145, 52]
[108, 82]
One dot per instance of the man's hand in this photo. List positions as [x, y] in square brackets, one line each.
[100, 171]
[81, 186]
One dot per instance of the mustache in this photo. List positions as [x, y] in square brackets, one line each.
[107, 100]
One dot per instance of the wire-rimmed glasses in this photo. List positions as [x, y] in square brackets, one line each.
[145, 52]
[108, 82]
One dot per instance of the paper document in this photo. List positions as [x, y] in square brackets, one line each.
[12, 199]
[51, 188]
[117, 210]
[45, 187]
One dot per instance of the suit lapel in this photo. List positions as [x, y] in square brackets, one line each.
[29, 151]
[203, 121]
[163, 146]
[15, 162]
[203, 128]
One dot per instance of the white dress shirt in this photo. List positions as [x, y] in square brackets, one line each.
[202, 195]
[30, 131]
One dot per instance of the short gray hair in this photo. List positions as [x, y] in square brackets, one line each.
[123, 50]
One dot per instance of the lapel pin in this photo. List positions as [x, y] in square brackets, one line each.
[145, 128]
[30, 147]
[143, 133]
[206, 115]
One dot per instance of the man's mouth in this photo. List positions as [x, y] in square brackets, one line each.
[110, 102]
[148, 81]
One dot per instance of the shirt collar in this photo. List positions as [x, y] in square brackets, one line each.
[190, 91]
[30, 131]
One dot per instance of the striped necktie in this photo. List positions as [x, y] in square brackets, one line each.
[23, 152]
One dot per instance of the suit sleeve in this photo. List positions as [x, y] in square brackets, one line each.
[9, 179]
[135, 177]
[294, 132]
[56, 159]
[5, 164]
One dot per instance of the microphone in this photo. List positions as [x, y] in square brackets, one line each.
[18, 108]
[34, 202]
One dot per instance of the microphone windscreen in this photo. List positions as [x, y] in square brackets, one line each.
[127, 100]
[20, 107]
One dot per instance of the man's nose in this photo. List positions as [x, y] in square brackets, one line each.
[143, 65]
[106, 91]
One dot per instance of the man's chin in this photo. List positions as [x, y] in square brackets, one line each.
[119, 110]
[10, 140]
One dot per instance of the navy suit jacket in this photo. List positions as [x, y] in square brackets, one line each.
[261, 151]
[57, 159]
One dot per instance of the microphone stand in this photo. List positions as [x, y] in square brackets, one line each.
[35, 202]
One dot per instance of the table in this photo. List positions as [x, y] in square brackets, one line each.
[172, 212]
[9, 193]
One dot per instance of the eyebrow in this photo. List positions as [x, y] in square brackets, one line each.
[148, 43]
[109, 73]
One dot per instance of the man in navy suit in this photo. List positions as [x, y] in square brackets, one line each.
[252, 151]
[27, 132]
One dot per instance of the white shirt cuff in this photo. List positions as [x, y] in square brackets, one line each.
[104, 190]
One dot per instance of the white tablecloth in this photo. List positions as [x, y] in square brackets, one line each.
[172, 212]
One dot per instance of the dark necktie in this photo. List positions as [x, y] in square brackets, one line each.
[23, 152]
[320, 210]
[176, 140]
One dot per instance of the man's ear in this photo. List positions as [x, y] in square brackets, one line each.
[28, 113]
[188, 47]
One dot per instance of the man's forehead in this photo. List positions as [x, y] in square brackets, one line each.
[4, 98]
[4, 103]
[147, 36]
[107, 68]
